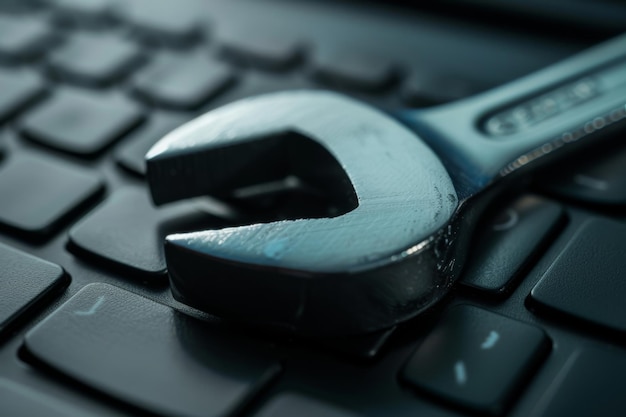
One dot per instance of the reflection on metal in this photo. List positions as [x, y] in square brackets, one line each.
[310, 274]
[583, 130]
[406, 211]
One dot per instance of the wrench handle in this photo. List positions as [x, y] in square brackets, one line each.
[496, 133]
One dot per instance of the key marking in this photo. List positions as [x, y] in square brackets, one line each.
[490, 340]
[511, 220]
[590, 182]
[93, 308]
[460, 373]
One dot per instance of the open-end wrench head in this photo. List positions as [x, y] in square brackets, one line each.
[405, 221]
[382, 261]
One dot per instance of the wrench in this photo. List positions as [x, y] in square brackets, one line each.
[408, 186]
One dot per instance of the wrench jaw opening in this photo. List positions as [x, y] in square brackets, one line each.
[373, 265]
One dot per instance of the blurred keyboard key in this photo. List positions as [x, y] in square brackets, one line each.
[289, 405]
[596, 178]
[83, 12]
[150, 356]
[131, 154]
[476, 359]
[355, 71]
[590, 384]
[508, 242]
[80, 122]
[21, 401]
[180, 81]
[24, 281]
[262, 51]
[173, 22]
[127, 232]
[18, 90]
[364, 346]
[23, 37]
[94, 59]
[592, 291]
[422, 90]
[19, 5]
[44, 193]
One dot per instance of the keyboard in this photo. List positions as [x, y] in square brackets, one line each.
[88, 325]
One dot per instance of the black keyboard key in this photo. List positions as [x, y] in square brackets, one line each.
[149, 355]
[355, 71]
[422, 90]
[132, 153]
[172, 22]
[94, 59]
[586, 280]
[23, 38]
[83, 12]
[182, 81]
[19, 89]
[21, 401]
[476, 359]
[40, 194]
[290, 405]
[81, 122]
[509, 242]
[365, 346]
[271, 53]
[24, 281]
[128, 232]
[590, 384]
[596, 178]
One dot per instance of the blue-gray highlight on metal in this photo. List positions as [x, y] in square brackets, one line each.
[408, 188]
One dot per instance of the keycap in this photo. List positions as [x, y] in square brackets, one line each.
[257, 50]
[150, 356]
[94, 59]
[20, 5]
[181, 81]
[131, 154]
[364, 346]
[44, 193]
[291, 404]
[597, 178]
[127, 232]
[21, 401]
[81, 122]
[173, 22]
[476, 359]
[23, 37]
[83, 12]
[421, 90]
[596, 289]
[354, 70]
[509, 241]
[25, 281]
[591, 383]
[19, 89]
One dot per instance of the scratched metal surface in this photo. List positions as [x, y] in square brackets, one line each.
[404, 193]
